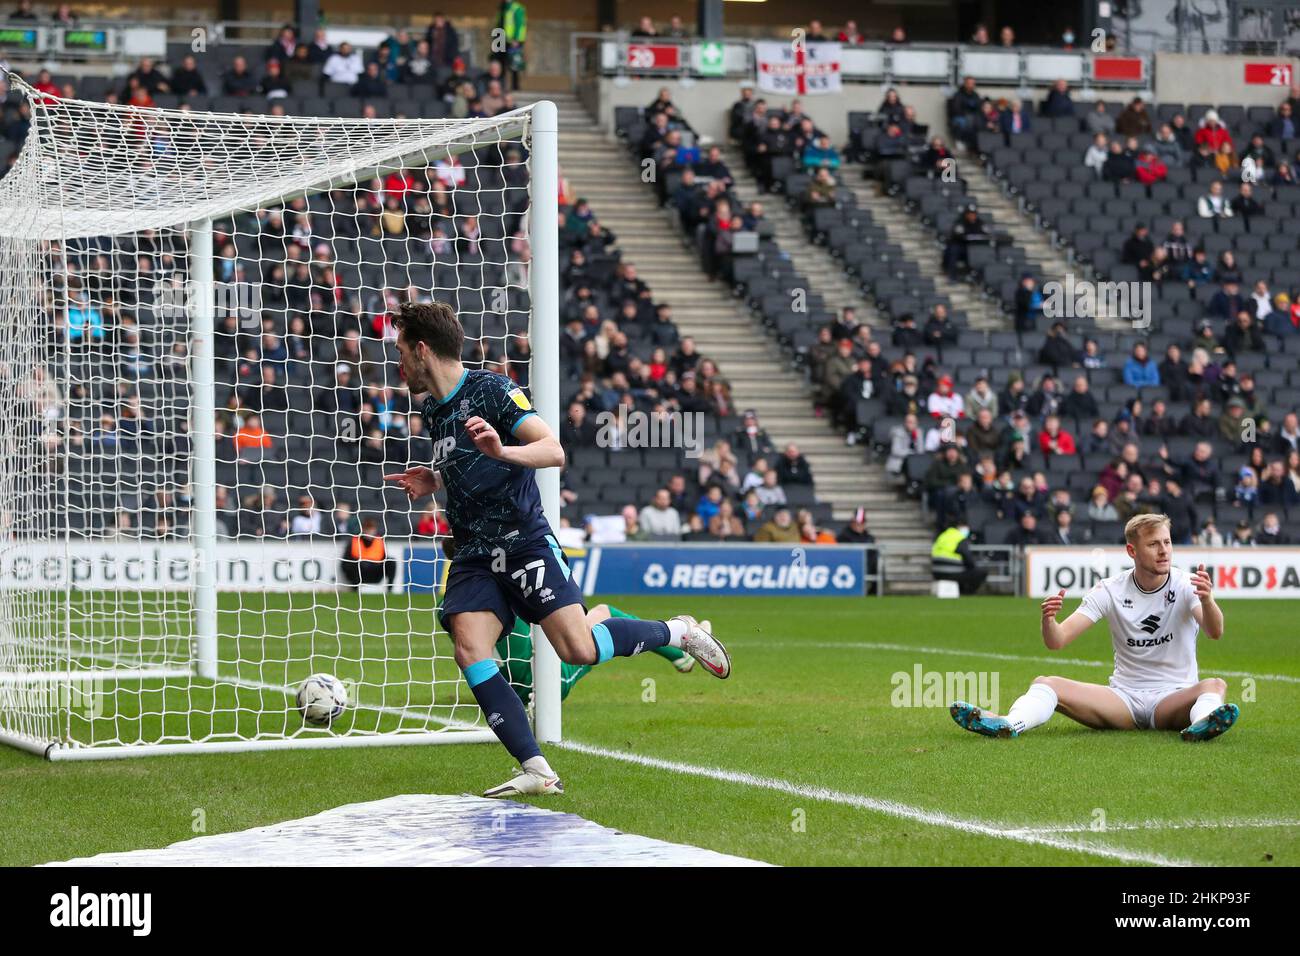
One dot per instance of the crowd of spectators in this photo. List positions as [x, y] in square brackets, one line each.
[992, 441]
[1199, 406]
[409, 66]
[1241, 179]
[993, 453]
[621, 353]
[997, 461]
[305, 377]
[1242, 311]
[777, 140]
[323, 343]
[696, 184]
[896, 137]
[745, 489]
[816, 31]
[728, 497]
[971, 113]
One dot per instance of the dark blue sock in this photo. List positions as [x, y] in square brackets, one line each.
[503, 709]
[627, 636]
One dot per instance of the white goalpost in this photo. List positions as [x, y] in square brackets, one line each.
[201, 396]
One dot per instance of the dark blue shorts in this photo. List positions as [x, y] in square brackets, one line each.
[535, 583]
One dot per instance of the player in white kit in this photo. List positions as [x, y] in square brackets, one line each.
[1154, 612]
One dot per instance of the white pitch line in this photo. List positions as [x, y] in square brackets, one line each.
[63, 677]
[291, 692]
[875, 804]
[990, 655]
[403, 712]
[1246, 824]
[887, 807]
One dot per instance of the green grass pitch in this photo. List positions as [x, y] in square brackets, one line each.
[803, 757]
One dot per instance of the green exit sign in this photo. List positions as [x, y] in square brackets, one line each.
[711, 59]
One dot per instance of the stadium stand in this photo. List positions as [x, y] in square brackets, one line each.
[1215, 251]
[1066, 377]
[1139, 410]
[280, 465]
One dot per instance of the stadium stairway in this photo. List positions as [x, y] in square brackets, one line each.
[761, 378]
[823, 270]
[1004, 214]
[919, 245]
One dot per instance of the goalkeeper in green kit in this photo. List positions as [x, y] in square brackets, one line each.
[515, 649]
[516, 652]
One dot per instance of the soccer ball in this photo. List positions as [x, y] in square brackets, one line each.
[322, 698]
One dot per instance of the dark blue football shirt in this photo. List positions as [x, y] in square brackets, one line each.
[490, 504]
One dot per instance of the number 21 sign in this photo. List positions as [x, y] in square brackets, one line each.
[1268, 74]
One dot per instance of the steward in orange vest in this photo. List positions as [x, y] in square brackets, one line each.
[365, 559]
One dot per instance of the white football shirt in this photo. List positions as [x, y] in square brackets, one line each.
[1153, 632]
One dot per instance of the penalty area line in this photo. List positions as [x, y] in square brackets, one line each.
[1225, 824]
[890, 808]
[987, 655]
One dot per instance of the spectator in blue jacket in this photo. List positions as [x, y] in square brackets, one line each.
[1228, 301]
[1280, 322]
[710, 504]
[820, 153]
[1015, 119]
[1141, 370]
[1058, 102]
[85, 320]
[1198, 269]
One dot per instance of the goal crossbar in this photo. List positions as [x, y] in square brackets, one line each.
[81, 213]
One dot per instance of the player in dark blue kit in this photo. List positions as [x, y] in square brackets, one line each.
[487, 441]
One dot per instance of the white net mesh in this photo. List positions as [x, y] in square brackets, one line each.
[319, 227]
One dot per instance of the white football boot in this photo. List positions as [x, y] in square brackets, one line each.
[685, 664]
[705, 648]
[526, 783]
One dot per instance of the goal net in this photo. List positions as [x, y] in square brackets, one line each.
[200, 393]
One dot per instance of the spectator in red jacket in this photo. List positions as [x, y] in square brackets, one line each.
[1150, 167]
[432, 522]
[1213, 132]
[1055, 440]
[45, 84]
[850, 33]
[944, 402]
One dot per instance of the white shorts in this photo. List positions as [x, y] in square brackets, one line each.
[1142, 703]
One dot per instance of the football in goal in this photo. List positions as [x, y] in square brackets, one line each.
[322, 698]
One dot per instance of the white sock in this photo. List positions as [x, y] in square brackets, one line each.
[539, 766]
[1204, 705]
[677, 631]
[1032, 708]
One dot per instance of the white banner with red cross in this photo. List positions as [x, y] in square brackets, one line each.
[797, 69]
